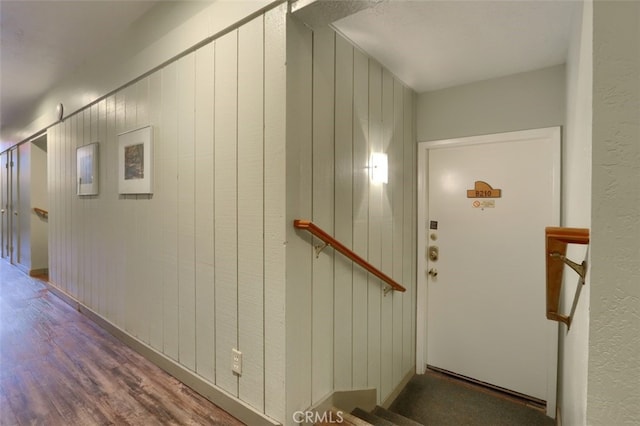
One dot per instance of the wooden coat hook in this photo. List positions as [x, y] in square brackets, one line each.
[555, 255]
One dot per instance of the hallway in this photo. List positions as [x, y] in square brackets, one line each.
[59, 368]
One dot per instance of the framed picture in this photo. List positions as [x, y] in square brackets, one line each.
[135, 161]
[87, 168]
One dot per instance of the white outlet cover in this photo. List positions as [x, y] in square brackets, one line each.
[236, 361]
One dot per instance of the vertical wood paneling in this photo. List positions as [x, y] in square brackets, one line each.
[343, 301]
[204, 218]
[386, 243]
[109, 185]
[93, 218]
[154, 219]
[396, 181]
[78, 213]
[414, 214]
[82, 221]
[101, 272]
[74, 210]
[119, 223]
[130, 231]
[360, 216]
[375, 230]
[167, 180]
[299, 181]
[142, 211]
[250, 211]
[90, 116]
[186, 210]
[210, 261]
[274, 211]
[67, 186]
[323, 210]
[226, 208]
[408, 249]
[135, 232]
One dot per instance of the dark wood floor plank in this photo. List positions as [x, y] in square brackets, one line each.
[57, 367]
[7, 417]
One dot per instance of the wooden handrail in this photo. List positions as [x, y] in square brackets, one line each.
[42, 213]
[555, 254]
[337, 245]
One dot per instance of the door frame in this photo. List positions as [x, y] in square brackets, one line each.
[553, 133]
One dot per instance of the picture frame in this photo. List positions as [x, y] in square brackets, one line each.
[135, 161]
[87, 169]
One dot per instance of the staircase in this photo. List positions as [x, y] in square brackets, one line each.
[378, 417]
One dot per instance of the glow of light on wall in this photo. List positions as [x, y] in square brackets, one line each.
[379, 168]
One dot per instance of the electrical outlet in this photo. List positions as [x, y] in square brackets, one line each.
[236, 361]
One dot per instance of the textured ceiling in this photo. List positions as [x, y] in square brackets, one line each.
[427, 44]
[431, 45]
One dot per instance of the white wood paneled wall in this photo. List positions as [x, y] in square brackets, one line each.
[342, 107]
[197, 268]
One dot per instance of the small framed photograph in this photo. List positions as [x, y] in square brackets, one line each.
[87, 169]
[135, 161]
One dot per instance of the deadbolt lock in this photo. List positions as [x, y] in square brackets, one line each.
[433, 253]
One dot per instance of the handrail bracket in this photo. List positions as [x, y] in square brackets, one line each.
[581, 268]
[556, 250]
[319, 249]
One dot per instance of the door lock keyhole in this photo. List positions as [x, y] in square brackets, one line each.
[434, 252]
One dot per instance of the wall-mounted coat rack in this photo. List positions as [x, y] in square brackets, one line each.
[555, 254]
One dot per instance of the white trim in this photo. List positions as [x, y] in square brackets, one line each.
[421, 294]
[553, 133]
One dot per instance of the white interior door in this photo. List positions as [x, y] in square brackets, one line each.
[486, 305]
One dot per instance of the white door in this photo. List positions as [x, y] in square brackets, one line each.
[489, 200]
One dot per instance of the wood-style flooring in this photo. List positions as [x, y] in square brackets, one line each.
[57, 367]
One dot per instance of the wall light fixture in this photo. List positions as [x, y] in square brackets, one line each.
[379, 168]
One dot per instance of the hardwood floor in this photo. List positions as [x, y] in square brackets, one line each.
[57, 367]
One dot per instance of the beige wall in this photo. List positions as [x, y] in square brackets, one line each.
[342, 332]
[522, 101]
[614, 337]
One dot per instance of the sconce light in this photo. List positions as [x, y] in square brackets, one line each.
[379, 168]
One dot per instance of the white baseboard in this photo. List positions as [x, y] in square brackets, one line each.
[218, 396]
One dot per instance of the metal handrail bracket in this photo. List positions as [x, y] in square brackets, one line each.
[555, 254]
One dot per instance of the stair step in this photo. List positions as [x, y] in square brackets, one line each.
[347, 419]
[371, 418]
[395, 418]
